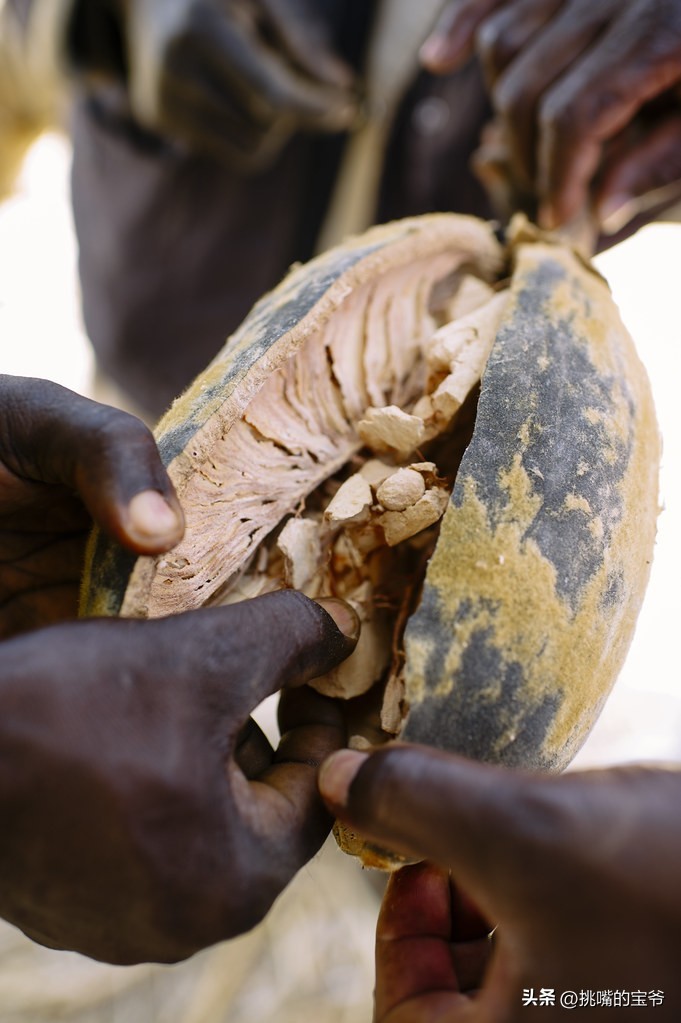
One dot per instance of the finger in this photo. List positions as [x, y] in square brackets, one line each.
[303, 37]
[468, 923]
[312, 728]
[305, 706]
[209, 122]
[413, 956]
[33, 609]
[39, 578]
[282, 811]
[240, 654]
[643, 179]
[310, 725]
[450, 44]
[485, 823]
[544, 58]
[632, 63]
[492, 165]
[507, 31]
[55, 436]
[515, 842]
[253, 752]
[264, 82]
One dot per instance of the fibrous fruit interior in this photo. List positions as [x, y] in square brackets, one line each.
[334, 479]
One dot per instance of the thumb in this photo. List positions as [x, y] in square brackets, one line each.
[452, 41]
[51, 435]
[478, 820]
[242, 653]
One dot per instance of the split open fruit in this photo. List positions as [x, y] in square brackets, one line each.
[456, 436]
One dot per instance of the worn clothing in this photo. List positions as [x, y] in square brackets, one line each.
[175, 247]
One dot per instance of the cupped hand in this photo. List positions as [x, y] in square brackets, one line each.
[141, 816]
[230, 78]
[588, 96]
[64, 462]
[578, 873]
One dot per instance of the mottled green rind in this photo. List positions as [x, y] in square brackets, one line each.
[531, 597]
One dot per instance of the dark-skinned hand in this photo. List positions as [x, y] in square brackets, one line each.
[143, 816]
[588, 96]
[64, 462]
[579, 874]
[233, 79]
[140, 820]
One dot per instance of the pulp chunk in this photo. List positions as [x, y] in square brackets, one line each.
[375, 471]
[368, 662]
[392, 708]
[471, 294]
[351, 502]
[391, 429]
[300, 543]
[466, 342]
[400, 490]
[399, 526]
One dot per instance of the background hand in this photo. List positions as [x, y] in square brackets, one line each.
[230, 78]
[432, 948]
[587, 95]
[139, 820]
[64, 462]
[582, 900]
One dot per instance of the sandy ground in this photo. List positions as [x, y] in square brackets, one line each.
[312, 958]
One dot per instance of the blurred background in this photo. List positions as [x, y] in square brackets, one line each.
[312, 958]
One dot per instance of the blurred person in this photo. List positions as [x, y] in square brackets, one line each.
[218, 141]
[143, 815]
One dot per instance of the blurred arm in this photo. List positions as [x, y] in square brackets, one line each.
[32, 80]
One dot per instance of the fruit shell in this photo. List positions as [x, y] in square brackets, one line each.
[531, 597]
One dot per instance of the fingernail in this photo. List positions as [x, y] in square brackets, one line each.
[615, 212]
[337, 774]
[150, 517]
[434, 52]
[344, 616]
